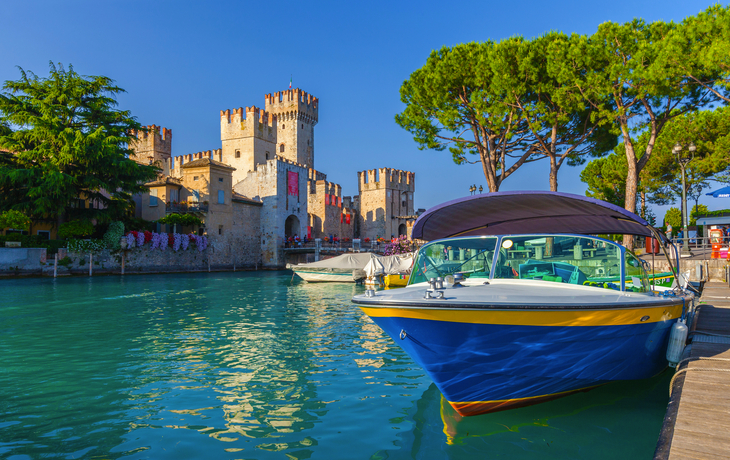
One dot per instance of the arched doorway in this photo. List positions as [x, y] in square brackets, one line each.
[402, 230]
[291, 226]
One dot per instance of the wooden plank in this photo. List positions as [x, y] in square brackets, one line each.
[701, 428]
[705, 445]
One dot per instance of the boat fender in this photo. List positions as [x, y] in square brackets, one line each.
[677, 340]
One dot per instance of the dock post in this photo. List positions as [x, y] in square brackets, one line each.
[55, 266]
[91, 262]
[123, 253]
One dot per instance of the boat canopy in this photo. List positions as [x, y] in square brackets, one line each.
[505, 213]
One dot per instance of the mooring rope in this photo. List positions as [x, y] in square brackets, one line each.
[681, 371]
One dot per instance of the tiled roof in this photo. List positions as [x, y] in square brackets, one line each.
[206, 162]
[167, 180]
[244, 199]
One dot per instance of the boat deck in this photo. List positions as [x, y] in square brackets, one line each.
[697, 423]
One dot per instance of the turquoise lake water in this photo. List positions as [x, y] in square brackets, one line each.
[257, 366]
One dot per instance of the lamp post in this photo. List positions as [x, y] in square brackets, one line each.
[472, 189]
[683, 158]
[480, 189]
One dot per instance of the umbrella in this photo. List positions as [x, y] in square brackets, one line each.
[721, 193]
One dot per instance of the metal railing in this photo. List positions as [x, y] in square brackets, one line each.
[702, 246]
[184, 207]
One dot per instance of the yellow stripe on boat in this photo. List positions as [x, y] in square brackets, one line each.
[607, 317]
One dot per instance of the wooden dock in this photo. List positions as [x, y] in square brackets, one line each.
[697, 423]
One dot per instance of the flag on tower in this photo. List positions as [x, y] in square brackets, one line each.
[290, 81]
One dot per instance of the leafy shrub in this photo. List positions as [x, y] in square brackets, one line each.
[86, 245]
[75, 228]
[14, 219]
[180, 219]
[113, 235]
[65, 261]
[32, 241]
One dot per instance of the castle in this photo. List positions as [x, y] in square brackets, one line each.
[260, 188]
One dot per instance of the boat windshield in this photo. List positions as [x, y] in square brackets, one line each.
[580, 260]
[471, 256]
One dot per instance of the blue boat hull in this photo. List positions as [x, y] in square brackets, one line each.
[481, 367]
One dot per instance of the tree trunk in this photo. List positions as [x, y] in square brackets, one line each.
[553, 174]
[643, 205]
[632, 185]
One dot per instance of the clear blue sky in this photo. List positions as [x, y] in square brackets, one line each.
[182, 62]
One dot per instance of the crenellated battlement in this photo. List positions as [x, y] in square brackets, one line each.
[151, 145]
[179, 161]
[253, 113]
[153, 132]
[248, 122]
[288, 161]
[294, 104]
[386, 178]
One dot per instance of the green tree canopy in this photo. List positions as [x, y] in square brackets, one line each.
[673, 217]
[180, 219]
[69, 142]
[563, 126]
[505, 104]
[709, 130]
[452, 102]
[699, 50]
[626, 62]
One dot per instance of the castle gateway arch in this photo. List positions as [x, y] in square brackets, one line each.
[291, 226]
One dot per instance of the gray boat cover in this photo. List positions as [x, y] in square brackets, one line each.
[389, 265]
[509, 213]
[355, 261]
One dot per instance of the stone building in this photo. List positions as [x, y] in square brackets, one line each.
[261, 188]
[385, 202]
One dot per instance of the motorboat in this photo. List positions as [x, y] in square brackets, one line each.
[509, 302]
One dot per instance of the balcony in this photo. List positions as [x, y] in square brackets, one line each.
[182, 207]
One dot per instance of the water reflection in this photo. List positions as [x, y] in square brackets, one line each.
[618, 420]
[244, 365]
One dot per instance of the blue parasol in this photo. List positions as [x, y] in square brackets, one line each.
[721, 193]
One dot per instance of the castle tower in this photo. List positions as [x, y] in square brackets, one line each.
[248, 139]
[296, 112]
[385, 199]
[151, 147]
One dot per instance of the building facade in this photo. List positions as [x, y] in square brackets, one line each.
[261, 188]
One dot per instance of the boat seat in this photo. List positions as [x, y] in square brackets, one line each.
[555, 278]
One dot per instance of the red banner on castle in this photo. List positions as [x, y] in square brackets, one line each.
[326, 199]
[347, 218]
[293, 183]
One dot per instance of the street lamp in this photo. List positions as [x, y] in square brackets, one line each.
[480, 189]
[472, 189]
[683, 158]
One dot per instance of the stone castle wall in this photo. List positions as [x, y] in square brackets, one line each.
[385, 194]
[153, 146]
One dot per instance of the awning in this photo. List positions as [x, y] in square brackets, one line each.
[504, 213]
[721, 193]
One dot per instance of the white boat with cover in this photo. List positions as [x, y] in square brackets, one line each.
[345, 268]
